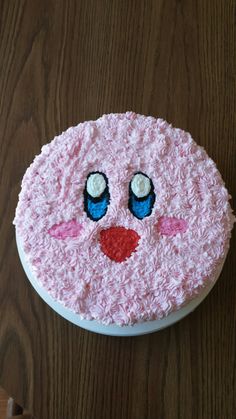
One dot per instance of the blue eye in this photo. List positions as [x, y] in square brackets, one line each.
[96, 195]
[141, 196]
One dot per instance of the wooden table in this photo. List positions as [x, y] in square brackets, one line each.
[67, 61]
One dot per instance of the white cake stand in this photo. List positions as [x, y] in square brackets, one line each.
[114, 330]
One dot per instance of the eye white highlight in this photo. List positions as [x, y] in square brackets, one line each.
[96, 185]
[140, 185]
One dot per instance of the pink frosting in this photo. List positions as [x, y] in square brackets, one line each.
[170, 226]
[166, 270]
[65, 229]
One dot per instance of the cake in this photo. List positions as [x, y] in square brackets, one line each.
[124, 219]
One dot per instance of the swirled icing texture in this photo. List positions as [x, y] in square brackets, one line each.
[165, 271]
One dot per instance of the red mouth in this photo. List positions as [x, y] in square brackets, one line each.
[118, 243]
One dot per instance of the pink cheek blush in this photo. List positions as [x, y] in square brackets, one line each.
[170, 226]
[65, 229]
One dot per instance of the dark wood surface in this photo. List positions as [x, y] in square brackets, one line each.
[62, 62]
[3, 403]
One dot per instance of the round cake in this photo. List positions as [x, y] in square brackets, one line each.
[124, 219]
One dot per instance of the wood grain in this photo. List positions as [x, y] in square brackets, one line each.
[62, 62]
[3, 403]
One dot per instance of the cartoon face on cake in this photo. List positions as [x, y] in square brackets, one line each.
[123, 219]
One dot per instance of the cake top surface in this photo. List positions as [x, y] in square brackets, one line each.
[123, 219]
